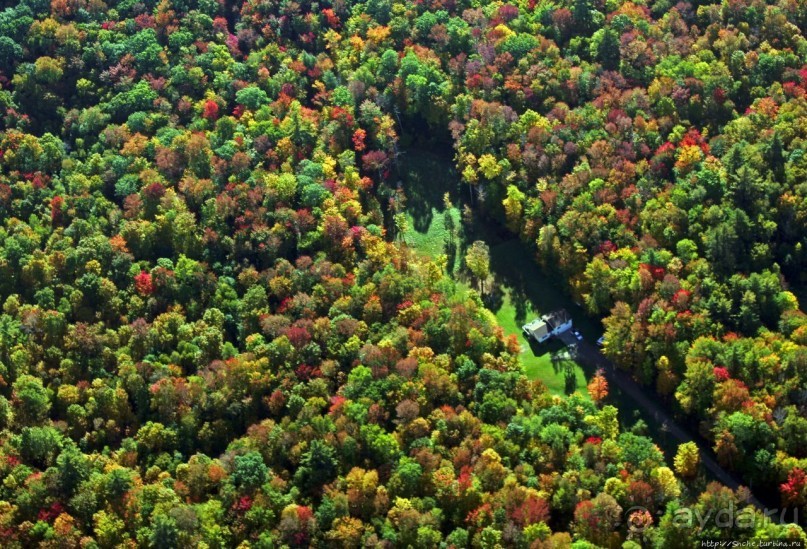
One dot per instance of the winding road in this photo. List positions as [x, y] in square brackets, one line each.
[531, 284]
[652, 409]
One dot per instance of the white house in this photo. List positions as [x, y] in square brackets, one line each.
[558, 321]
[553, 324]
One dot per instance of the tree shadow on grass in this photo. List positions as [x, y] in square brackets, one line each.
[515, 268]
[427, 172]
[519, 301]
[563, 363]
[560, 361]
[426, 177]
[494, 296]
[569, 381]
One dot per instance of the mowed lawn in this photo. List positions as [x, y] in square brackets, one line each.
[549, 362]
[433, 241]
[428, 234]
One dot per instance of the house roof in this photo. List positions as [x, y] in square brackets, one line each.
[557, 318]
[537, 328]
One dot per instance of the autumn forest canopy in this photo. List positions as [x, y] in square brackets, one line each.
[213, 334]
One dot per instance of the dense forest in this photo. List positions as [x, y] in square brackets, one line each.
[210, 335]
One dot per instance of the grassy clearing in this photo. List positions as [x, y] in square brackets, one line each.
[549, 362]
[435, 239]
[516, 291]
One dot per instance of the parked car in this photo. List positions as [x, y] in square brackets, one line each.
[601, 341]
[578, 335]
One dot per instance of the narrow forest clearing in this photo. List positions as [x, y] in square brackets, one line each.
[518, 291]
[432, 229]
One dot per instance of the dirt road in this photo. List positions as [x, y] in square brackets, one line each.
[653, 410]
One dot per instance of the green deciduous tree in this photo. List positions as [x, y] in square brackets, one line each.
[477, 259]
